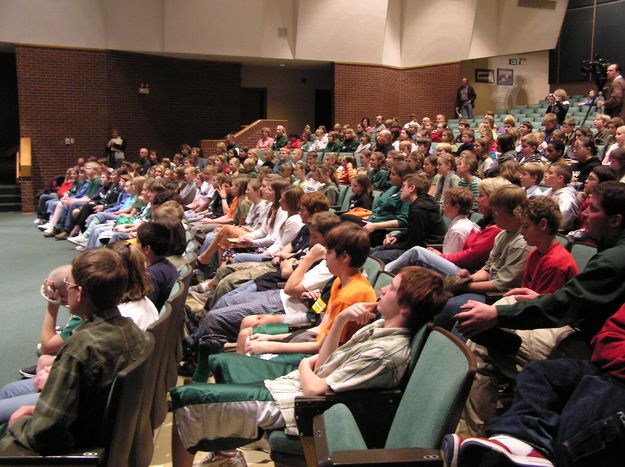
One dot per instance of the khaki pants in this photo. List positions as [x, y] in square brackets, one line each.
[231, 276]
[494, 365]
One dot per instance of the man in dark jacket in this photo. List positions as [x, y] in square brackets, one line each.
[425, 224]
[465, 99]
[614, 93]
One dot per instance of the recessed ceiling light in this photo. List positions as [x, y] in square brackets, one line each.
[282, 65]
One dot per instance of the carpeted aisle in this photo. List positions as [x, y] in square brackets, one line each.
[27, 257]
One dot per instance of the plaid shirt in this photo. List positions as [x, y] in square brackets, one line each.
[375, 357]
[70, 410]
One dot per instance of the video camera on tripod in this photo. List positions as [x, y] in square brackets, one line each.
[596, 70]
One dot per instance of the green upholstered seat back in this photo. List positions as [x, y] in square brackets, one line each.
[431, 392]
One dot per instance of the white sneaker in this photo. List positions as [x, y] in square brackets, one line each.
[45, 226]
[78, 239]
[38, 221]
[223, 459]
[80, 248]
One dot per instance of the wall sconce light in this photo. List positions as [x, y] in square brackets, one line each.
[144, 88]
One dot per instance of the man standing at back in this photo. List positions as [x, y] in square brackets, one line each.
[465, 99]
[614, 92]
[71, 407]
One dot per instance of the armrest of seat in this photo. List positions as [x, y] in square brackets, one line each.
[404, 456]
[373, 410]
[18, 455]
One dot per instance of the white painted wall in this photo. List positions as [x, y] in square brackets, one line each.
[391, 53]
[68, 23]
[341, 30]
[436, 31]
[230, 27]
[529, 84]
[135, 25]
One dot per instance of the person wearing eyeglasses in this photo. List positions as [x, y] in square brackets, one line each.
[71, 406]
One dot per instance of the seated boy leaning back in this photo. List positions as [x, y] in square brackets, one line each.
[348, 247]
[215, 417]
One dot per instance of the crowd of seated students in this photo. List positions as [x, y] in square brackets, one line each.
[272, 255]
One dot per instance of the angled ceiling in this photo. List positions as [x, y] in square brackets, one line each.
[400, 33]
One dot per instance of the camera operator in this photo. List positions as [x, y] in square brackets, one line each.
[614, 93]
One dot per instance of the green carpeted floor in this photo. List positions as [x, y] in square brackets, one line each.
[27, 257]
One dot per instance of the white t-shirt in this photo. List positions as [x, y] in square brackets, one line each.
[459, 230]
[142, 312]
[314, 279]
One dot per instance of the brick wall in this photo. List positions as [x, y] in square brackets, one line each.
[62, 94]
[189, 100]
[82, 94]
[367, 91]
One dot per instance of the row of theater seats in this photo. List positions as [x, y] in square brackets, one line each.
[389, 427]
[401, 426]
[137, 403]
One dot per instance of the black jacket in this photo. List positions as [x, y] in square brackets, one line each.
[425, 224]
[349, 146]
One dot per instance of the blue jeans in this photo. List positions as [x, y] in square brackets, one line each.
[245, 288]
[422, 257]
[16, 394]
[51, 207]
[245, 257]
[119, 237]
[41, 205]
[447, 317]
[570, 410]
[222, 324]
[93, 240]
[466, 109]
[210, 236]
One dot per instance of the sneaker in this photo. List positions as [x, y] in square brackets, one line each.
[80, 248]
[29, 372]
[450, 447]
[223, 458]
[49, 233]
[38, 221]
[44, 226]
[78, 239]
[482, 451]
[62, 236]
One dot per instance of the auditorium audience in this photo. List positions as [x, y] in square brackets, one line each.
[261, 217]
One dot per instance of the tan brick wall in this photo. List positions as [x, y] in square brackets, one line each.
[367, 91]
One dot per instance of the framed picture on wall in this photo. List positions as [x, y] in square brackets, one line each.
[505, 76]
[484, 76]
